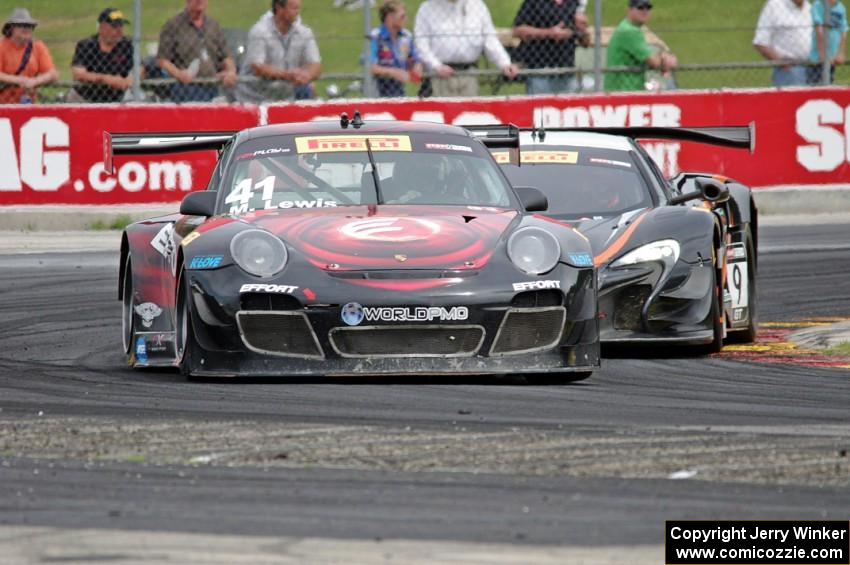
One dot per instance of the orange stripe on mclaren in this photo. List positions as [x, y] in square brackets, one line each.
[618, 243]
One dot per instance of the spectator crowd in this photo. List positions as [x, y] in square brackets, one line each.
[439, 55]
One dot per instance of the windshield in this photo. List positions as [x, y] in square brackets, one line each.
[581, 182]
[320, 171]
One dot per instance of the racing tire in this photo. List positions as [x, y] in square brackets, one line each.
[748, 335]
[187, 346]
[716, 320]
[556, 378]
[128, 316]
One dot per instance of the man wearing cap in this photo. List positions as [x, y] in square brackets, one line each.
[628, 48]
[103, 62]
[25, 63]
[192, 46]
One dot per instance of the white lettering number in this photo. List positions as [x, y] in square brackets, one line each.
[169, 175]
[40, 169]
[240, 197]
[830, 149]
[9, 178]
[658, 115]
[133, 177]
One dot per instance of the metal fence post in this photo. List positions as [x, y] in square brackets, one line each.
[825, 66]
[137, 50]
[368, 90]
[597, 46]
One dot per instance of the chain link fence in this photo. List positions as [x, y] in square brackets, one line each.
[151, 50]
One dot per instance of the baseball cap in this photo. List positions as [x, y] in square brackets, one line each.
[640, 4]
[113, 17]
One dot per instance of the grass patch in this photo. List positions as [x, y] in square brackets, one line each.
[117, 223]
[697, 31]
[841, 350]
[139, 458]
[120, 222]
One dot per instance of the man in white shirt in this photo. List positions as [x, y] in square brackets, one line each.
[784, 33]
[450, 36]
[281, 50]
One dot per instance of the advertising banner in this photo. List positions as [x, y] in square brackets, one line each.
[54, 154]
[802, 135]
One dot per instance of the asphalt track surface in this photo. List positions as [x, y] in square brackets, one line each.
[87, 445]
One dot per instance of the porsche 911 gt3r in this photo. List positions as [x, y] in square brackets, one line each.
[677, 258]
[352, 248]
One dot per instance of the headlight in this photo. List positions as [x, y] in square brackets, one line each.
[534, 250]
[665, 251]
[258, 252]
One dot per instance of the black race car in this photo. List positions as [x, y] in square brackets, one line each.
[352, 248]
[677, 258]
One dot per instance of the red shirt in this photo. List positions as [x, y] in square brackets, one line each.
[11, 55]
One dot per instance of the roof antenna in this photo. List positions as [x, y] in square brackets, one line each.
[357, 121]
[343, 120]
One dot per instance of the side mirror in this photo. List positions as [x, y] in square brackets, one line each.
[532, 199]
[709, 190]
[201, 203]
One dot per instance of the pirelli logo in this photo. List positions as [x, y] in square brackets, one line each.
[553, 157]
[342, 143]
[568, 157]
[502, 157]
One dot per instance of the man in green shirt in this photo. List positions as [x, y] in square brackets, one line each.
[628, 48]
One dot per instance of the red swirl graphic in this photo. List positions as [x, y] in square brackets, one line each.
[392, 237]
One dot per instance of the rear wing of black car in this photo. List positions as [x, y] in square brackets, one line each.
[742, 137]
[160, 143]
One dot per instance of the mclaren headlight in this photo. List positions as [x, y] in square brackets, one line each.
[534, 250]
[258, 252]
[665, 251]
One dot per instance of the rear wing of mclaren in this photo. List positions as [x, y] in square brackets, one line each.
[160, 143]
[742, 137]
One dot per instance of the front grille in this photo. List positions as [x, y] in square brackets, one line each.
[268, 301]
[407, 341]
[529, 329]
[285, 334]
[538, 299]
[628, 305]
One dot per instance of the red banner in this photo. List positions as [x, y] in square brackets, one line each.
[802, 135]
[54, 154]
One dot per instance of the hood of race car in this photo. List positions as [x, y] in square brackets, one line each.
[609, 234]
[390, 236]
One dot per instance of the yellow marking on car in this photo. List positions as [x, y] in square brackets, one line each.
[567, 157]
[190, 238]
[346, 143]
[502, 157]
